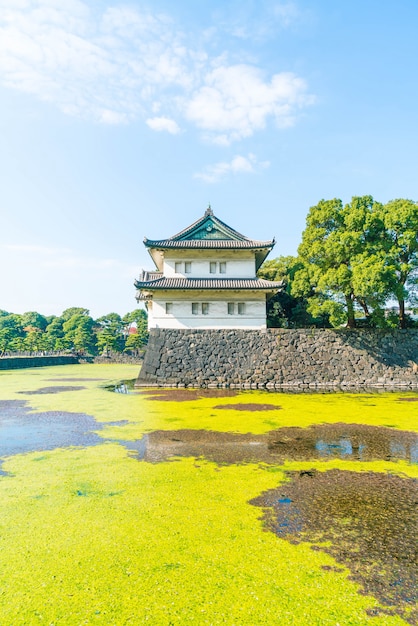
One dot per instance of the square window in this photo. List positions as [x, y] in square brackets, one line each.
[168, 308]
[195, 308]
[212, 267]
[205, 308]
[222, 267]
[231, 308]
[177, 267]
[188, 267]
[241, 308]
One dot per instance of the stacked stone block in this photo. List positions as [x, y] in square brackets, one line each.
[279, 358]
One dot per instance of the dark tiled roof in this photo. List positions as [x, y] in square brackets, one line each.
[214, 244]
[147, 276]
[224, 231]
[207, 283]
[208, 232]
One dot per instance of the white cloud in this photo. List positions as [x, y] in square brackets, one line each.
[286, 12]
[259, 19]
[163, 124]
[107, 67]
[238, 165]
[236, 101]
[126, 63]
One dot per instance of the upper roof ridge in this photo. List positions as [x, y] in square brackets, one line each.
[206, 227]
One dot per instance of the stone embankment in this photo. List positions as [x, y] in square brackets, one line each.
[20, 362]
[119, 358]
[279, 358]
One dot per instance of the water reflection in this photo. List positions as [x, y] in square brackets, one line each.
[318, 442]
[122, 388]
[23, 430]
[342, 448]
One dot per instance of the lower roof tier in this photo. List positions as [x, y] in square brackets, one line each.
[188, 284]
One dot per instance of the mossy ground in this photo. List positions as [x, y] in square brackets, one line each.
[94, 536]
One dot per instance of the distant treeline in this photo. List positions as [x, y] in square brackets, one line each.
[73, 331]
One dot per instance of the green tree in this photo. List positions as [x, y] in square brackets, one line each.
[35, 320]
[135, 342]
[6, 336]
[74, 310]
[400, 219]
[78, 333]
[136, 320]
[285, 310]
[138, 316]
[109, 332]
[11, 332]
[34, 339]
[342, 260]
[54, 335]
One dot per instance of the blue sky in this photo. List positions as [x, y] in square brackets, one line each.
[121, 120]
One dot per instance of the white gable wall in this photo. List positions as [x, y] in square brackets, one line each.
[181, 315]
[240, 265]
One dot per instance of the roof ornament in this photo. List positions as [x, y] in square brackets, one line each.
[208, 211]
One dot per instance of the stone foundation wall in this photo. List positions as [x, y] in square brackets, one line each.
[278, 358]
[119, 358]
[20, 362]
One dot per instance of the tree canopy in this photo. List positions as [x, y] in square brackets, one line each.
[73, 331]
[355, 259]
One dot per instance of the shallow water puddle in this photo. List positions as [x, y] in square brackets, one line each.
[319, 442]
[366, 521]
[22, 430]
[52, 389]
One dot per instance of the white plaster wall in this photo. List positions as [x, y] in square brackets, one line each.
[182, 316]
[238, 265]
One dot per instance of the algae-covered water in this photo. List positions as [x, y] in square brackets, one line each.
[203, 507]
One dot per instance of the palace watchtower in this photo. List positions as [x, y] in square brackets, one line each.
[206, 278]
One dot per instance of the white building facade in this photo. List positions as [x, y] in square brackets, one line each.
[206, 278]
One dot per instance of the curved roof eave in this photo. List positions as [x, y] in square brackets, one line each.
[220, 244]
[192, 284]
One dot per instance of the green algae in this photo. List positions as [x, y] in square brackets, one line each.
[89, 535]
[150, 542]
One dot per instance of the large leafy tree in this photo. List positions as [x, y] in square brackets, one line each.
[78, 333]
[54, 335]
[342, 260]
[11, 332]
[285, 310]
[74, 310]
[109, 332]
[34, 320]
[400, 243]
[34, 339]
[136, 330]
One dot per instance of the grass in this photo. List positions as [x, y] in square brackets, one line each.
[94, 536]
